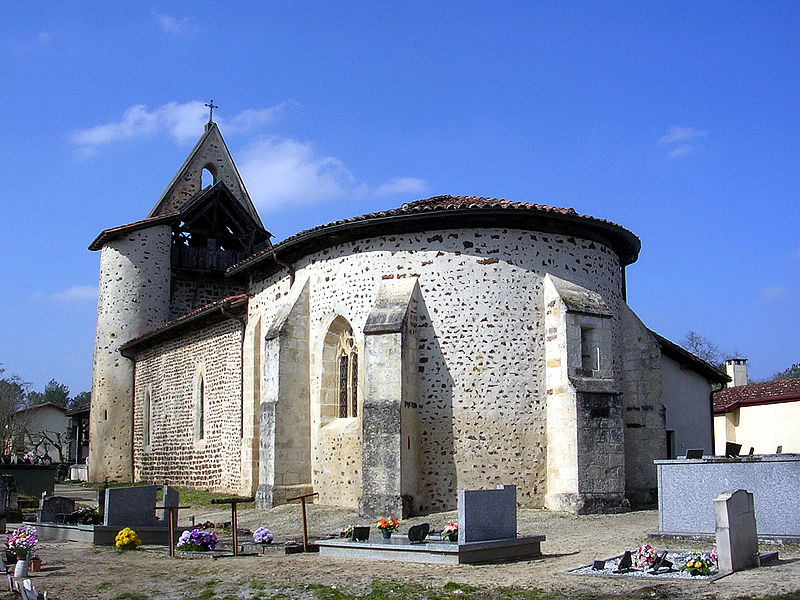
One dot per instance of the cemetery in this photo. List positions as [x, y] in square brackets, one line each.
[488, 542]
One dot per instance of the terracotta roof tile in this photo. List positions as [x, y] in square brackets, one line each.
[190, 316]
[784, 390]
[109, 234]
[436, 204]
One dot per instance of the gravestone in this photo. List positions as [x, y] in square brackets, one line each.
[360, 534]
[171, 498]
[8, 493]
[131, 507]
[418, 533]
[737, 539]
[487, 514]
[625, 563]
[50, 506]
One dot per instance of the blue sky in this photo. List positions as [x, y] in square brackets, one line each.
[677, 120]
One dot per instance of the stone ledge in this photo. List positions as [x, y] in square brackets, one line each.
[400, 549]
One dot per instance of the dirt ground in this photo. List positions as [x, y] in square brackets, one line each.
[80, 571]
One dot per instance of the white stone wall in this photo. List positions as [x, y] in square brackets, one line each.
[133, 298]
[169, 371]
[644, 413]
[687, 400]
[480, 330]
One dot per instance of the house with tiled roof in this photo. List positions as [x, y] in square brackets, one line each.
[383, 361]
[762, 416]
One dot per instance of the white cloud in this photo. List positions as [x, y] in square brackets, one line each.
[182, 121]
[401, 185]
[75, 294]
[286, 171]
[681, 150]
[677, 134]
[172, 24]
[678, 137]
[775, 293]
[40, 40]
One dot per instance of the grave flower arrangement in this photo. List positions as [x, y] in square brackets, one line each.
[644, 557]
[127, 539]
[347, 532]
[700, 563]
[450, 532]
[388, 524]
[197, 540]
[263, 535]
[22, 541]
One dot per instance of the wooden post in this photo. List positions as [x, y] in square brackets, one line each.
[234, 521]
[305, 528]
[173, 521]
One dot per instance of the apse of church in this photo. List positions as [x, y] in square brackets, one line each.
[383, 362]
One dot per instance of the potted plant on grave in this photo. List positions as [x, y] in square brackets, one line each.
[22, 542]
[700, 563]
[387, 526]
[450, 532]
[127, 539]
[263, 536]
[197, 540]
[644, 557]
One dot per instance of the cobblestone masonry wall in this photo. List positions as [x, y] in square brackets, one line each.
[169, 370]
[188, 294]
[132, 298]
[481, 393]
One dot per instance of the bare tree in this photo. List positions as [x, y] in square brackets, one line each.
[703, 348]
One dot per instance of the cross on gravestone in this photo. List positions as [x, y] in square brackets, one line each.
[737, 538]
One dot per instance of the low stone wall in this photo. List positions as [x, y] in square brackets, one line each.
[32, 480]
[687, 488]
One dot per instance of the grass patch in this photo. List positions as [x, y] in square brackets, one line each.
[188, 495]
[131, 596]
[257, 585]
[394, 590]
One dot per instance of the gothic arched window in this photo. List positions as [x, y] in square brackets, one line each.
[348, 375]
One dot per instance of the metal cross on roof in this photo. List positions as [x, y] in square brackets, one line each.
[211, 106]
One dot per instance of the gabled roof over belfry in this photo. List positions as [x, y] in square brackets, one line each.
[223, 210]
[212, 154]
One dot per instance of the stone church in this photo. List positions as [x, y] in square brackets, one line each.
[383, 361]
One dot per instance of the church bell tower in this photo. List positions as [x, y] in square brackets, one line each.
[158, 269]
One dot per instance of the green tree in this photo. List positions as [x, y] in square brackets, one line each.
[79, 399]
[12, 398]
[792, 372]
[54, 392]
